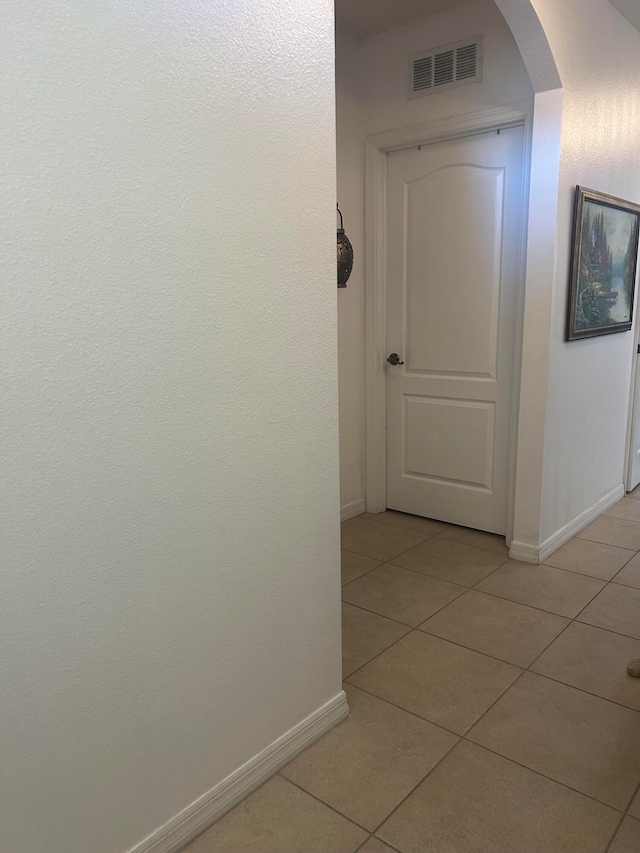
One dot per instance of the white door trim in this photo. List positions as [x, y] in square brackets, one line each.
[632, 396]
[376, 148]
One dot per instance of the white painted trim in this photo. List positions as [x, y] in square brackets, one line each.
[525, 553]
[518, 336]
[375, 319]
[376, 148]
[538, 554]
[204, 811]
[351, 510]
[453, 127]
[628, 451]
[562, 536]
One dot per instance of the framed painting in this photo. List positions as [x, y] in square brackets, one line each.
[603, 265]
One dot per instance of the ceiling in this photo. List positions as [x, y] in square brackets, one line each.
[630, 9]
[364, 18]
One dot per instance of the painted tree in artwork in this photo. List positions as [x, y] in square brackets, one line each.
[595, 271]
[630, 258]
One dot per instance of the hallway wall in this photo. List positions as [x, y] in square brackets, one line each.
[170, 555]
[598, 57]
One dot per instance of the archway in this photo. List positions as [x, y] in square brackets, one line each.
[531, 39]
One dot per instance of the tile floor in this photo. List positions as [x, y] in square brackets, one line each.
[491, 711]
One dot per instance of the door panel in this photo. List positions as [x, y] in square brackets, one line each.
[454, 229]
[451, 440]
[452, 328]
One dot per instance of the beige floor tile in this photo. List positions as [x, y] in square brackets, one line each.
[554, 590]
[437, 680]
[626, 508]
[450, 561]
[374, 845]
[370, 762]
[634, 808]
[365, 635]
[279, 817]
[616, 608]
[379, 541]
[613, 531]
[593, 660]
[630, 574]
[401, 594]
[427, 526]
[590, 558]
[478, 802]
[494, 626]
[355, 565]
[634, 493]
[579, 740]
[350, 521]
[628, 837]
[477, 538]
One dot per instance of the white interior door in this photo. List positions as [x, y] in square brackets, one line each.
[454, 232]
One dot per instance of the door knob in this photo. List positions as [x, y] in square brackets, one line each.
[394, 359]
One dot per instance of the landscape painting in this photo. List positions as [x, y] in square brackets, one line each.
[603, 265]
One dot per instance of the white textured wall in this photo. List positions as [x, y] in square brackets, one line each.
[169, 396]
[598, 57]
[350, 177]
[505, 80]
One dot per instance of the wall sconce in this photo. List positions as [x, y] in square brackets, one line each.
[345, 255]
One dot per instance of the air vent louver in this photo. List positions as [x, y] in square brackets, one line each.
[423, 73]
[467, 61]
[444, 72]
[447, 66]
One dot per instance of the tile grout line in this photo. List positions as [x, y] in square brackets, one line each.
[417, 785]
[427, 537]
[360, 846]
[324, 803]
[382, 616]
[631, 801]
[528, 668]
[351, 674]
[524, 669]
[543, 775]
[414, 571]
[583, 575]
[625, 585]
[406, 710]
[390, 846]
[615, 834]
[368, 571]
[459, 739]
[540, 609]
[406, 624]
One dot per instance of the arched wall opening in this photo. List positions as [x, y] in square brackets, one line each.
[519, 68]
[546, 140]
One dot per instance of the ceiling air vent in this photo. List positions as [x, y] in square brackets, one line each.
[445, 67]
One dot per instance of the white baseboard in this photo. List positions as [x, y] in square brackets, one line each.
[351, 510]
[538, 554]
[523, 552]
[198, 816]
[562, 536]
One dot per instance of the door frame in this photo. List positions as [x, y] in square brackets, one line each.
[632, 393]
[376, 148]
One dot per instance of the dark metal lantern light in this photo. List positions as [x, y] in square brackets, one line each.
[345, 255]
